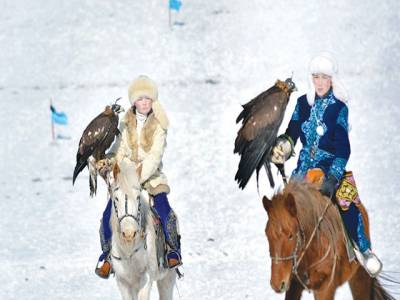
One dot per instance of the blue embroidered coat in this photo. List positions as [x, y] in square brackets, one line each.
[328, 147]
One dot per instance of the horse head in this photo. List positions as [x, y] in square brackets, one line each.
[128, 213]
[284, 238]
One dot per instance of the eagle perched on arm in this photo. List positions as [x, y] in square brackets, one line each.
[261, 119]
[96, 139]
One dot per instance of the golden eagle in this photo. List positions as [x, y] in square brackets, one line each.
[261, 118]
[96, 139]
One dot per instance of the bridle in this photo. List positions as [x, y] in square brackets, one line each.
[294, 256]
[138, 218]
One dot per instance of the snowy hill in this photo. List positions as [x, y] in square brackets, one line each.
[84, 54]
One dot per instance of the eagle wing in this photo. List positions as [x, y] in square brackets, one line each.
[262, 118]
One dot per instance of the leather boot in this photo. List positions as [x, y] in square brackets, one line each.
[105, 270]
[369, 261]
[174, 259]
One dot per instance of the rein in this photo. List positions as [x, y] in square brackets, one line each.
[298, 258]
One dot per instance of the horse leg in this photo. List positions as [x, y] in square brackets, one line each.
[326, 294]
[360, 284]
[145, 288]
[166, 286]
[127, 292]
[295, 291]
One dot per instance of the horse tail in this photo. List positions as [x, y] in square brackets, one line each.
[378, 291]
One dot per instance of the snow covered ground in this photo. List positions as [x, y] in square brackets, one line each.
[85, 53]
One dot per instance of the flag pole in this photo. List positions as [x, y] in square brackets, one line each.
[169, 15]
[52, 122]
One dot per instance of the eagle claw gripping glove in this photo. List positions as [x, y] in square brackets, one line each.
[104, 165]
[282, 150]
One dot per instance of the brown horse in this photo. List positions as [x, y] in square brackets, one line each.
[307, 247]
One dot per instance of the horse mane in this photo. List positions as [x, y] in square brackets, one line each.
[127, 177]
[310, 205]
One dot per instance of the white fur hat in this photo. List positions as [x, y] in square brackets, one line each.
[325, 63]
[144, 86]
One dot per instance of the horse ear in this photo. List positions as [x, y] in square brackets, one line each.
[267, 204]
[291, 204]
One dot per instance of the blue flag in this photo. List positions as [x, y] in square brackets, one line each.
[58, 117]
[175, 4]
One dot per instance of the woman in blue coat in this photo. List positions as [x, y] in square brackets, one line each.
[320, 120]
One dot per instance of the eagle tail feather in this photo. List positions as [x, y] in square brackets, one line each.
[248, 163]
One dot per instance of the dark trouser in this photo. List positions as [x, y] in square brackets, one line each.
[105, 231]
[354, 224]
[168, 222]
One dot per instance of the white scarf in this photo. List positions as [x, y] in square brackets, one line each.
[140, 119]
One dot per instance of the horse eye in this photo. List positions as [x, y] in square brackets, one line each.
[290, 236]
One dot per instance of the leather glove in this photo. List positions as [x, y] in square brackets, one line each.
[282, 150]
[329, 186]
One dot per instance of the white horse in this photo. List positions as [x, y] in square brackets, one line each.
[134, 249]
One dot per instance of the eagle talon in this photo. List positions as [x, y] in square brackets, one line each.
[104, 166]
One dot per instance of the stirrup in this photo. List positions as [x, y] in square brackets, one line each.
[102, 271]
[176, 262]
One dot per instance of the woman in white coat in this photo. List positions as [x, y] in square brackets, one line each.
[143, 140]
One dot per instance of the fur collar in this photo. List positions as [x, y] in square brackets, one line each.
[146, 136]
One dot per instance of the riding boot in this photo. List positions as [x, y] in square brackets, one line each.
[169, 223]
[354, 224]
[105, 240]
[105, 269]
